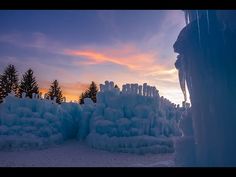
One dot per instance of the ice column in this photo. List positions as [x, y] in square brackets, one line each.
[140, 88]
[106, 85]
[123, 88]
[111, 84]
[136, 89]
[151, 91]
[155, 92]
[132, 88]
[148, 90]
[128, 88]
[144, 89]
[101, 88]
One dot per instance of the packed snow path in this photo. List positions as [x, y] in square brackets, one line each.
[78, 154]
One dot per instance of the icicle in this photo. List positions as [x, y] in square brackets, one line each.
[208, 24]
[186, 17]
[198, 26]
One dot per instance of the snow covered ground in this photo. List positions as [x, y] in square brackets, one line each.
[79, 154]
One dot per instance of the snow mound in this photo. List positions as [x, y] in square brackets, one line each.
[35, 123]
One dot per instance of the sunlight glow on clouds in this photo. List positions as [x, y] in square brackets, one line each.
[112, 55]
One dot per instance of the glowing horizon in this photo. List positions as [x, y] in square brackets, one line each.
[78, 47]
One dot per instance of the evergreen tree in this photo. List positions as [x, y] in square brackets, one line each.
[82, 96]
[8, 81]
[28, 84]
[116, 86]
[55, 91]
[91, 92]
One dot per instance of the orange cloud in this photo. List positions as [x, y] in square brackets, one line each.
[147, 67]
[143, 65]
[98, 58]
[133, 59]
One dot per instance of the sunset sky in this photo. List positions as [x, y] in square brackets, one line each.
[80, 46]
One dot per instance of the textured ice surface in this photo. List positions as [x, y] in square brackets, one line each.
[136, 120]
[133, 121]
[34, 123]
[133, 144]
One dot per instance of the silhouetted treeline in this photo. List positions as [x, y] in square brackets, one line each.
[9, 83]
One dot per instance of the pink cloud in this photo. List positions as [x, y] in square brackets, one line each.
[144, 63]
[131, 58]
[144, 66]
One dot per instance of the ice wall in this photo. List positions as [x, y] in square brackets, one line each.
[134, 117]
[135, 120]
[209, 60]
[36, 123]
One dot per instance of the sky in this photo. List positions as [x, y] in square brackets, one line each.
[79, 46]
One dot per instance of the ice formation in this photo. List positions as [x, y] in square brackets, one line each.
[134, 120]
[36, 123]
[185, 145]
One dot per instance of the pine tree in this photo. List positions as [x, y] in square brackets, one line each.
[91, 92]
[82, 96]
[55, 91]
[28, 84]
[116, 86]
[8, 81]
